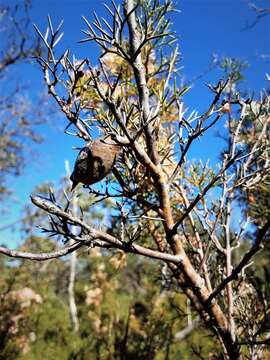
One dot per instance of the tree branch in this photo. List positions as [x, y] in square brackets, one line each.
[90, 234]
[247, 257]
[42, 256]
[203, 192]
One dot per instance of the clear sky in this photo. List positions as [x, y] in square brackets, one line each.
[205, 27]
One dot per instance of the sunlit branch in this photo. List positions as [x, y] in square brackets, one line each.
[91, 234]
[246, 258]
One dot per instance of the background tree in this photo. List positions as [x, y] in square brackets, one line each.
[164, 209]
[19, 116]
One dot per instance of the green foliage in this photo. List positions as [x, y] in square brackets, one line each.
[122, 313]
[233, 68]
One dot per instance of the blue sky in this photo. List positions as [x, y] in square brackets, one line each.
[204, 28]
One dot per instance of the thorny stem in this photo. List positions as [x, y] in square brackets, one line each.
[94, 234]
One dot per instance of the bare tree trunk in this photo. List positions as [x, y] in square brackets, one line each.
[72, 303]
[72, 267]
[228, 272]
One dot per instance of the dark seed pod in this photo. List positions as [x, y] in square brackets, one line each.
[94, 162]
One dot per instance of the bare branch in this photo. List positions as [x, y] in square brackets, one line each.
[203, 192]
[247, 257]
[91, 234]
[42, 256]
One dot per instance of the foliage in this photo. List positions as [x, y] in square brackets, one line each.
[120, 312]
